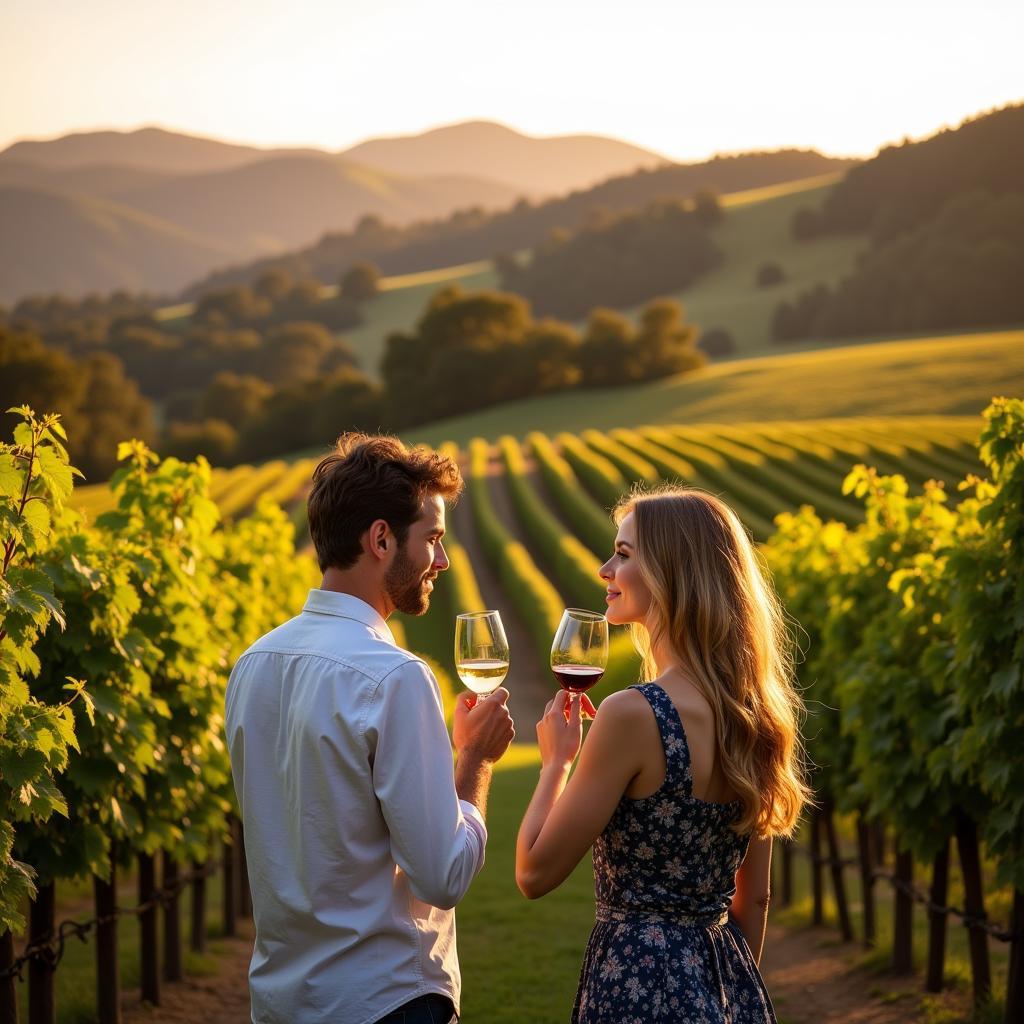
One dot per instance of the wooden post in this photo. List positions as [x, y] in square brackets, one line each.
[108, 976]
[149, 955]
[8, 993]
[878, 842]
[172, 921]
[198, 942]
[937, 921]
[1015, 968]
[903, 937]
[230, 909]
[818, 888]
[836, 868]
[787, 872]
[974, 905]
[244, 894]
[41, 915]
[867, 879]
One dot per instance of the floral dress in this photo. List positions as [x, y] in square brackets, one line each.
[663, 948]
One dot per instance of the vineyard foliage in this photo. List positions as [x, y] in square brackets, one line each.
[905, 587]
[36, 738]
[141, 613]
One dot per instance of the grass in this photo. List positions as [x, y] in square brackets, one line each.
[520, 960]
[754, 231]
[942, 376]
[401, 302]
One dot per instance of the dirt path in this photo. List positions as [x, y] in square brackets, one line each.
[219, 998]
[814, 979]
[530, 684]
[811, 978]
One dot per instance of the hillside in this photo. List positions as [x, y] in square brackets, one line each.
[754, 230]
[472, 235]
[945, 376]
[77, 245]
[282, 202]
[904, 185]
[176, 227]
[96, 180]
[535, 166]
[153, 149]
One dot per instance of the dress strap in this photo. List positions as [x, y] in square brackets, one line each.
[673, 737]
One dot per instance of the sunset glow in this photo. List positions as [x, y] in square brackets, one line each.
[684, 79]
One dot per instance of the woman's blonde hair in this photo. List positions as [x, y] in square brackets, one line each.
[714, 607]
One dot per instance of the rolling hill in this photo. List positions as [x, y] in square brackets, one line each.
[935, 376]
[281, 202]
[152, 149]
[476, 235]
[79, 244]
[143, 231]
[535, 166]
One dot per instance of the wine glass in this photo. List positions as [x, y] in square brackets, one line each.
[481, 651]
[579, 653]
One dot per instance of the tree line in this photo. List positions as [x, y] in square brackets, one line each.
[475, 234]
[617, 261]
[235, 384]
[961, 268]
[231, 366]
[473, 350]
[945, 223]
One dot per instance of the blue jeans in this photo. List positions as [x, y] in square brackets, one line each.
[428, 1009]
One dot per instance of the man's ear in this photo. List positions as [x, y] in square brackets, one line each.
[379, 539]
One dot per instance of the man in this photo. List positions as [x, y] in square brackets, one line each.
[360, 836]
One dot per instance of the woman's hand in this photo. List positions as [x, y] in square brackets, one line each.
[560, 731]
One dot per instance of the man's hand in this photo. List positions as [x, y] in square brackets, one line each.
[482, 728]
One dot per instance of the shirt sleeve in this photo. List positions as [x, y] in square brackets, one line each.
[436, 839]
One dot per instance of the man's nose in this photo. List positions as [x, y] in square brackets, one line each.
[440, 558]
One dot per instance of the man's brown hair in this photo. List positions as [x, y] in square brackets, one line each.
[369, 477]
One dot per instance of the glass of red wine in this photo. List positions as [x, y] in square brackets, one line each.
[579, 653]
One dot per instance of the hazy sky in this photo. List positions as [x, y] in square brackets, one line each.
[687, 79]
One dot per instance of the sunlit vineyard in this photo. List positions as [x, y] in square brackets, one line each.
[537, 507]
[529, 537]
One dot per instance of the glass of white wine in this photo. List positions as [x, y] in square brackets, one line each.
[481, 651]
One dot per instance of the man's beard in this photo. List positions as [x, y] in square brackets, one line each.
[405, 586]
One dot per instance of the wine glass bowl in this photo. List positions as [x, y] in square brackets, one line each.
[579, 652]
[481, 651]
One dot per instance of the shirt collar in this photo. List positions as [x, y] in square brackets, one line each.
[346, 606]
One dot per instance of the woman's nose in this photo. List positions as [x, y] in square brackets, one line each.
[605, 572]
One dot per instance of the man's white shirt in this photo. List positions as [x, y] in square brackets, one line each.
[356, 842]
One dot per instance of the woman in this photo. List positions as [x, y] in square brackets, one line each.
[683, 780]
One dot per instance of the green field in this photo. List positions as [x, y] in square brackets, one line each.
[756, 230]
[401, 302]
[954, 375]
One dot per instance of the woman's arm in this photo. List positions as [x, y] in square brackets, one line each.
[753, 893]
[566, 815]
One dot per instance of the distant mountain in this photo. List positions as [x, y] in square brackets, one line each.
[281, 202]
[153, 149]
[538, 167]
[101, 180]
[51, 241]
[465, 237]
